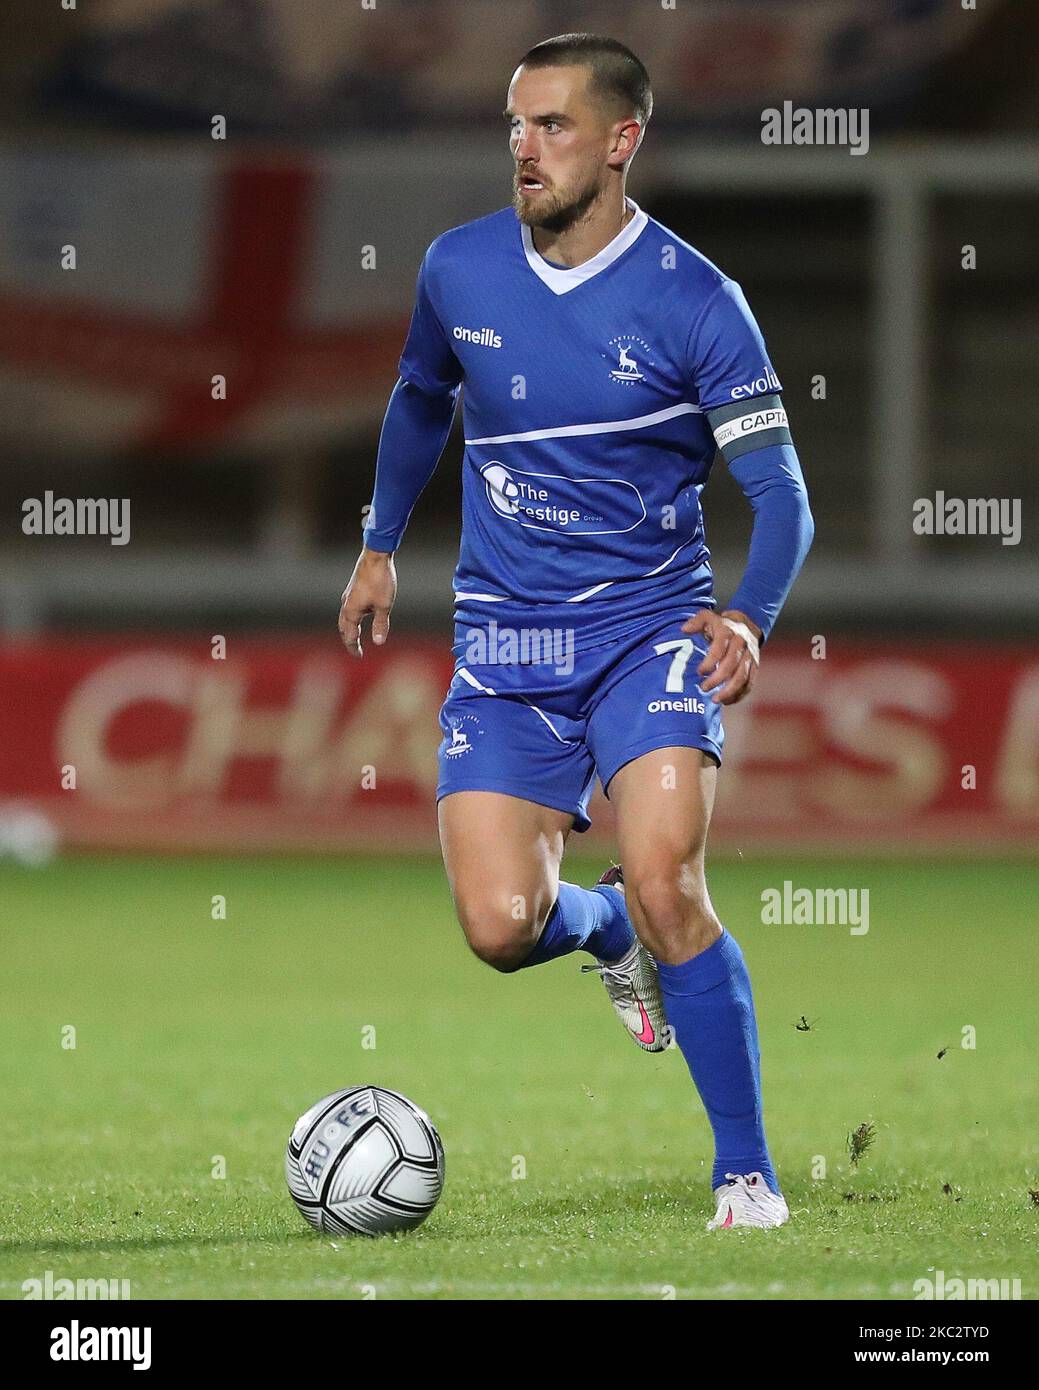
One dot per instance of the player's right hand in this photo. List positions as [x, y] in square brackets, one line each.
[371, 590]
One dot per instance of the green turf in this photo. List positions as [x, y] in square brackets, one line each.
[198, 1038]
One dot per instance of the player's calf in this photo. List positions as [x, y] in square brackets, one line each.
[703, 977]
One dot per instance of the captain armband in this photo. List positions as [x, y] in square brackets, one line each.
[744, 426]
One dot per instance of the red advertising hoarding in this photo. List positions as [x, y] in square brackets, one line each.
[271, 744]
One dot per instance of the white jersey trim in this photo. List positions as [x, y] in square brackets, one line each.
[588, 593]
[563, 279]
[542, 715]
[470, 679]
[640, 422]
[580, 598]
[650, 573]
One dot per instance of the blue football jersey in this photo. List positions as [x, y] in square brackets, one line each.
[587, 393]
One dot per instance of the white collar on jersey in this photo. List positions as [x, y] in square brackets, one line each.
[562, 279]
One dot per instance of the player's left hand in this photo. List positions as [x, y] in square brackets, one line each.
[732, 658]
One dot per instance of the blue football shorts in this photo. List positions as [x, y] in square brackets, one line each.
[543, 729]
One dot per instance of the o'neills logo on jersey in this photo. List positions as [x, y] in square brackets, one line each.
[482, 337]
[768, 381]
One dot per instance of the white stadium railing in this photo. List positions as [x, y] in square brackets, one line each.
[286, 577]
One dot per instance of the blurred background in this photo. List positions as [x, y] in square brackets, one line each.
[187, 690]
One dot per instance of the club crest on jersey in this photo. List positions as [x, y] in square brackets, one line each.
[632, 356]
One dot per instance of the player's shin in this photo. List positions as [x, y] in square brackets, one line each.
[711, 1011]
[585, 919]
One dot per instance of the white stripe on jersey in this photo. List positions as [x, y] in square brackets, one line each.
[470, 679]
[542, 715]
[640, 422]
[580, 598]
[650, 573]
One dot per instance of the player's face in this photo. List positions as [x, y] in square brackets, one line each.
[561, 139]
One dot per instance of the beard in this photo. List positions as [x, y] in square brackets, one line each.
[553, 210]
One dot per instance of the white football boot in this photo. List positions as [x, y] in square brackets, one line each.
[747, 1200]
[634, 987]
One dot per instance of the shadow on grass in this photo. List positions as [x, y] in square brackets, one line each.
[478, 1215]
[122, 1244]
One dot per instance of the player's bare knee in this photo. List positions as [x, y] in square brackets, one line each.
[502, 953]
[672, 912]
[656, 907]
[501, 930]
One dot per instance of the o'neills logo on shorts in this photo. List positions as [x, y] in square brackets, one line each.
[686, 706]
[482, 337]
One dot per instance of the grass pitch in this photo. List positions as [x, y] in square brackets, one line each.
[200, 1041]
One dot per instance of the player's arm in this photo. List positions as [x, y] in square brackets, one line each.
[772, 481]
[753, 435]
[414, 432]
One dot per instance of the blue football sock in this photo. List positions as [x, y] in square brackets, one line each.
[709, 1005]
[592, 919]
